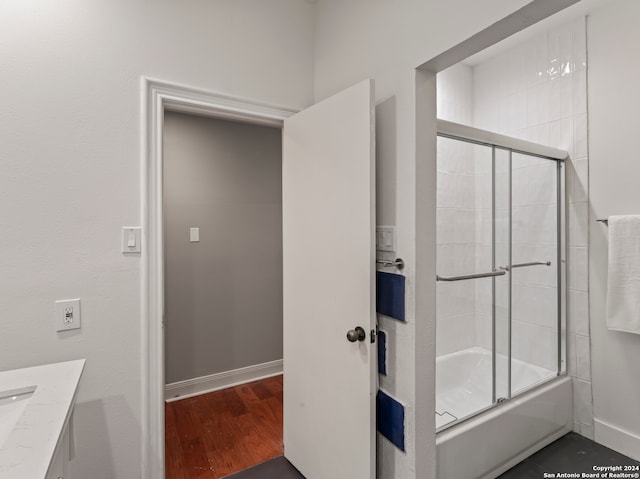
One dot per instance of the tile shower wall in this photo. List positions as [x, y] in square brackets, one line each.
[537, 91]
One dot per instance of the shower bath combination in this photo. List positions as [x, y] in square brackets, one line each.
[501, 326]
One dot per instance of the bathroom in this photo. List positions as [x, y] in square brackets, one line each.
[71, 179]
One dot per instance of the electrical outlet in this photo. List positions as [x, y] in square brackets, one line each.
[67, 314]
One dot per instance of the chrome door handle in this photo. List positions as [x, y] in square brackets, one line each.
[357, 334]
[523, 265]
[470, 276]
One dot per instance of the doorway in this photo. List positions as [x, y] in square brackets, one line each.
[222, 222]
[328, 219]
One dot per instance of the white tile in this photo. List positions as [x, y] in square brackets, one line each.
[534, 304]
[542, 134]
[554, 99]
[531, 65]
[566, 51]
[579, 43]
[553, 54]
[533, 344]
[483, 226]
[583, 409]
[533, 103]
[455, 333]
[542, 50]
[580, 132]
[561, 135]
[583, 355]
[578, 312]
[579, 92]
[518, 111]
[578, 224]
[543, 102]
[483, 330]
[534, 225]
[572, 368]
[566, 96]
[581, 180]
[578, 264]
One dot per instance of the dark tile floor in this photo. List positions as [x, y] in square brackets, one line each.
[570, 453]
[278, 468]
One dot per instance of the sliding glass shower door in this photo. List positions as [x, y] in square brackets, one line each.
[499, 247]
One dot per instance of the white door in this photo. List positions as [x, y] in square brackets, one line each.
[329, 286]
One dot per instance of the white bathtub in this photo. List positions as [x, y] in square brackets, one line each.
[488, 444]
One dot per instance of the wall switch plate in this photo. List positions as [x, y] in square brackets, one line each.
[131, 239]
[386, 238]
[194, 235]
[67, 314]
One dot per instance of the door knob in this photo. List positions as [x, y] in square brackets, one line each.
[357, 334]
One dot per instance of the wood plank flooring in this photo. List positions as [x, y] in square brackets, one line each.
[213, 435]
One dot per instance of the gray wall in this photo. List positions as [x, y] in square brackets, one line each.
[223, 295]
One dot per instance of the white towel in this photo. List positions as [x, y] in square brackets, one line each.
[623, 290]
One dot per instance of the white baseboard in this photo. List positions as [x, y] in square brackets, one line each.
[616, 438]
[206, 384]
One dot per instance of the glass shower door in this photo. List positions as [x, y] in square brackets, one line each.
[471, 291]
[499, 309]
[536, 315]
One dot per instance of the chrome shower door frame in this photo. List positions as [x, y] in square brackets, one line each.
[511, 145]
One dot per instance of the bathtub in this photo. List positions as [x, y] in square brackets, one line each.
[488, 444]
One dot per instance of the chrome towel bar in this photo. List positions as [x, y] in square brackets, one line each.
[522, 265]
[502, 270]
[397, 263]
[470, 276]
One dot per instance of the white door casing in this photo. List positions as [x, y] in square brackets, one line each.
[329, 286]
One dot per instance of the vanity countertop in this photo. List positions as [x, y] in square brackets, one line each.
[28, 449]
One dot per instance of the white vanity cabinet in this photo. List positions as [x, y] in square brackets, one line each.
[59, 468]
[36, 420]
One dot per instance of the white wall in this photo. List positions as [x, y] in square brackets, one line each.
[377, 39]
[70, 155]
[614, 122]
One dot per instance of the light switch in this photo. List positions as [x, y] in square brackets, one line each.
[67, 315]
[194, 235]
[131, 239]
[386, 238]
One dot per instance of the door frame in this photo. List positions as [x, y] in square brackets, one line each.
[157, 97]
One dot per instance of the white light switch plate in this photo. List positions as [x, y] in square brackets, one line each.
[194, 235]
[386, 238]
[67, 315]
[131, 239]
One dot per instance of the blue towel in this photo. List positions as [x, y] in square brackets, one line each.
[390, 295]
[382, 353]
[390, 419]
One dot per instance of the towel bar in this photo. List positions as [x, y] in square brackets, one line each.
[522, 265]
[470, 276]
[397, 263]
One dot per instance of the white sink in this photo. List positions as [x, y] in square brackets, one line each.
[12, 405]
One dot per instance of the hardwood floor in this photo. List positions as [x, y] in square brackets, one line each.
[213, 435]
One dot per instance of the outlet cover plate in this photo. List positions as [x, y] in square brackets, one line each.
[67, 314]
